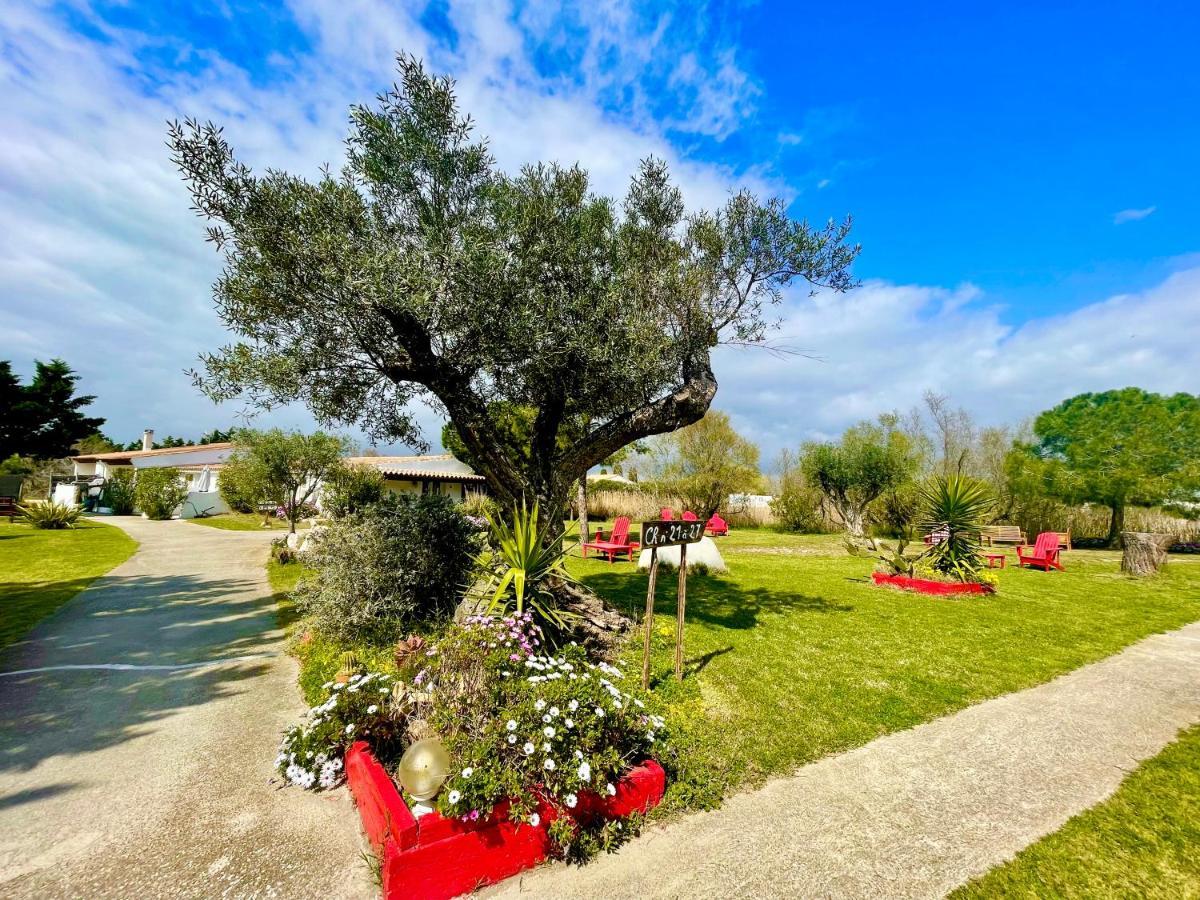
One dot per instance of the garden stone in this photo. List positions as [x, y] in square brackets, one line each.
[310, 537]
[704, 553]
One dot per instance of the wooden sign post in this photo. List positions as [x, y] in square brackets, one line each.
[670, 533]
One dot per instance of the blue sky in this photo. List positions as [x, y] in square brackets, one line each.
[1021, 176]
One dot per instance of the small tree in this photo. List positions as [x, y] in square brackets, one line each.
[1115, 448]
[159, 492]
[291, 465]
[244, 484]
[869, 460]
[706, 462]
[350, 489]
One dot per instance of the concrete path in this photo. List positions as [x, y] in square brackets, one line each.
[917, 813]
[153, 782]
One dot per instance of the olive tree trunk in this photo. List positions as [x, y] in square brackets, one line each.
[1144, 553]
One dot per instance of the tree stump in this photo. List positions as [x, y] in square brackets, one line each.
[1145, 553]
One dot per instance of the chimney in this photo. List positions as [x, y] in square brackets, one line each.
[148, 439]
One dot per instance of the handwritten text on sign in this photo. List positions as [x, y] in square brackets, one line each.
[670, 533]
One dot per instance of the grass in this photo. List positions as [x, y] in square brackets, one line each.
[40, 570]
[793, 655]
[1140, 842]
[235, 521]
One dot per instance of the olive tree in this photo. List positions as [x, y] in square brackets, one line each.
[707, 461]
[287, 467]
[422, 272]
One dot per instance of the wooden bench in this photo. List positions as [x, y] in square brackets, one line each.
[1002, 534]
[8, 507]
[1064, 540]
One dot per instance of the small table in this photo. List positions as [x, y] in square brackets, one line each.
[995, 560]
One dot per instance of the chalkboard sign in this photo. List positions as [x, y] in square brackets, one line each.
[671, 532]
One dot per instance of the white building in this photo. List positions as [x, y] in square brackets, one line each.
[199, 465]
[424, 474]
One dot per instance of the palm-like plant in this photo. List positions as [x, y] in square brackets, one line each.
[526, 561]
[955, 508]
[50, 514]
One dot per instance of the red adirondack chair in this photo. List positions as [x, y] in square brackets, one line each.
[690, 516]
[716, 525]
[1044, 555]
[666, 514]
[615, 544]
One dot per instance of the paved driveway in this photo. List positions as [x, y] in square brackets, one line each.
[145, 771]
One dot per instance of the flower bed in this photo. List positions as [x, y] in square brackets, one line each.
[926, 586]
[434, 857]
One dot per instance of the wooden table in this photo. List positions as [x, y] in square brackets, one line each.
[994, 560]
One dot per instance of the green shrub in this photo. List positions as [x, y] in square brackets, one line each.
[479, 505]
[159, 492]
[798, 508]
[119, 492]
[403, 561]
[895, 513]
[51, 515]
[351, 489]
[243, 484]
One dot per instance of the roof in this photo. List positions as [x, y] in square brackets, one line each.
[144, 454]
[429, 468]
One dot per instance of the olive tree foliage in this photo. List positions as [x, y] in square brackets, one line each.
[706, 462]
[421, 272]
[287, 467]
[869, 460]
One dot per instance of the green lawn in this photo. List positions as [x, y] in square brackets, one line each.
[41, 570]
[235, 521]
[1144, 841]
[793, 655]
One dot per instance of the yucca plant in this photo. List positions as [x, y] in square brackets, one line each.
[51, 515]
[526, 559]
[955, 508]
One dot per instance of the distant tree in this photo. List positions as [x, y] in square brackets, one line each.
[869, 460]
[216, 436]
[422, 272]
[351, 488]
[158, 492]
[244, 485]
[96, 443]
[291, 465]
[954, 435]
[707, 461]
[44, 419]
[1116, 448]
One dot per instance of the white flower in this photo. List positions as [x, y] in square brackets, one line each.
[468, 772]
[585, 771]
[570, 723]
[548, 731]
[454, 797]
[511, 724]
[545, 746]
[616, 704]
[554, 710]
[350, 728]
[599, 713]
[327, 685]
[535, 820]
[548, 765]
[650, 736]
[639, 703]
[571, 801]
[540, 705]
[372, 709]
[579, 754]
[512, 738]
[528, 748]
[611, 788]
[573, 705]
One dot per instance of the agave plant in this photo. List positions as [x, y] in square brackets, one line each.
[527, 559]
[50, 515]
[955, 507]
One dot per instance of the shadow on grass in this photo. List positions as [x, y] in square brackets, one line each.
[711, 599]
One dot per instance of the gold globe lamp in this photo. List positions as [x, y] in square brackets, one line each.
[423, 768]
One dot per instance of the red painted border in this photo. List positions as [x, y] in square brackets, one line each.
[926, 586]
[433, 858]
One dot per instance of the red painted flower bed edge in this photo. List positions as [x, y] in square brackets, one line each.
[433, 858]
[926, 586]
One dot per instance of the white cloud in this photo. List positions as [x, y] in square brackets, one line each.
[879, 347]
[1132, 215]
